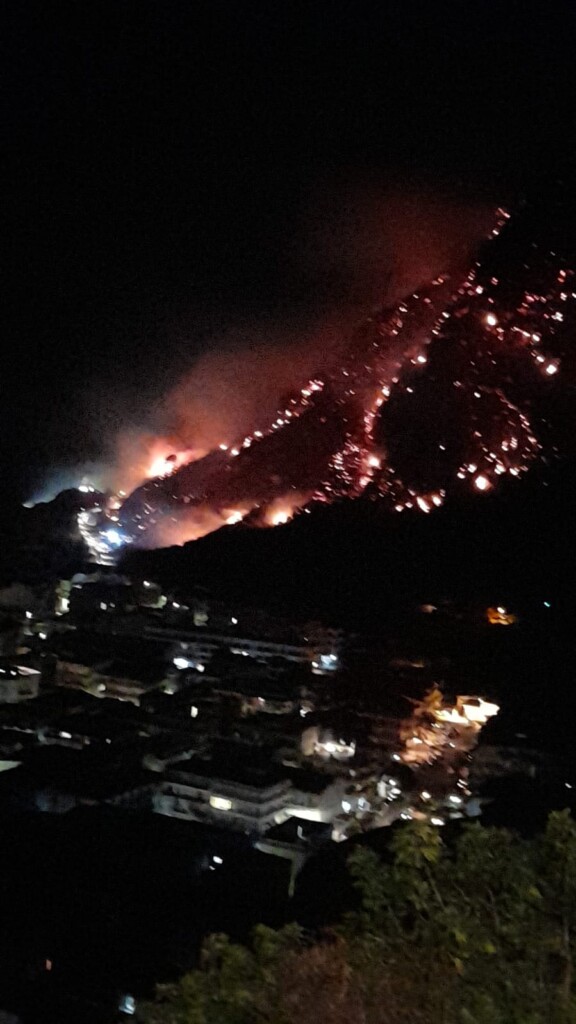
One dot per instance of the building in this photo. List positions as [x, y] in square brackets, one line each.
[89, 595]
[125, 681]
[242, 798]
[321, 650]
[120, 678]
[17, 683]
[55, 780]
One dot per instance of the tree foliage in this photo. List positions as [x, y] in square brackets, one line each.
[482, 931]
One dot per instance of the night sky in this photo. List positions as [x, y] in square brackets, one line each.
[163, 163]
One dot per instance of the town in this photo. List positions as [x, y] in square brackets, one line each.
[113, 692]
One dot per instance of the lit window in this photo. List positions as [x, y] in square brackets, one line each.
[220, 803]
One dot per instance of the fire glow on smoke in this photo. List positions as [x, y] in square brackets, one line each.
[419, 404]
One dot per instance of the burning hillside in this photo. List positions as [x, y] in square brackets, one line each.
[427, 396]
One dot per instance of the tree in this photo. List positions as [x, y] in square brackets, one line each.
[480, 931]
[556, 864]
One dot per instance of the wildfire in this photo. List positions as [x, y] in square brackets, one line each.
[458, 343]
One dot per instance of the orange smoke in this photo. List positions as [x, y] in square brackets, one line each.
[360, 248]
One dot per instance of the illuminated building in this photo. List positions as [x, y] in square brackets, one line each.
[200, 646]
[246, 800]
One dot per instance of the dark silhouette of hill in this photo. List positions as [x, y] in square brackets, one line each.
[356, 564]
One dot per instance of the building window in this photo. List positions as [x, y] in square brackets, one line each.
[220, 803]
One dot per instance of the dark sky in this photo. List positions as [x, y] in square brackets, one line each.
[160, 158]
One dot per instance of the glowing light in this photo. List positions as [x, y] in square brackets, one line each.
[220, 803]
[500, 617]
[491, 319]
[162, 466]
[482, 483]
[278, 518]
[478, 711]
[451, 716]
[114, 537]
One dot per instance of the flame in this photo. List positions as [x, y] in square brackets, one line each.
[281, 511]
[234, 517]
[280, 517]
[161, 466]
[166, 463]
